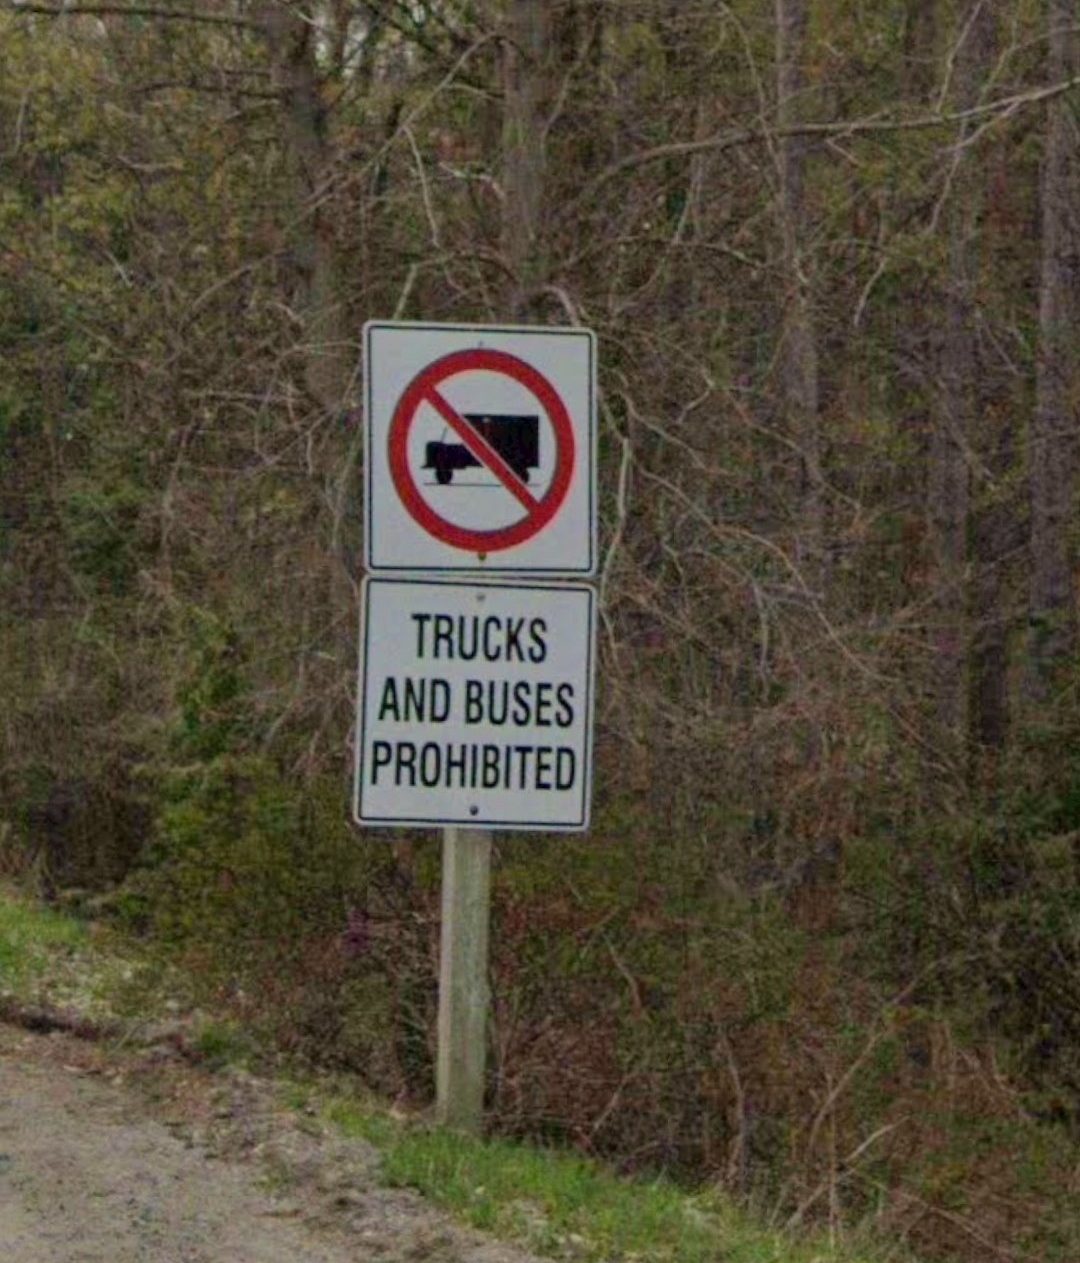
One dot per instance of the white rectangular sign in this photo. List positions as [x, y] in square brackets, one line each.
[480, 449]
[475, 704]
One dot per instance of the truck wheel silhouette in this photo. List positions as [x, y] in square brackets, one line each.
[443, 473]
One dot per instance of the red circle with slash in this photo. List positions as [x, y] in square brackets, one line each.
[424, 388]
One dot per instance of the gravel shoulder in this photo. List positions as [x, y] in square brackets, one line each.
[109, 1156]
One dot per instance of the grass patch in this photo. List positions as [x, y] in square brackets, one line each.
[566, 1206]
[224, 1043]
[53, 957]
[31, 938]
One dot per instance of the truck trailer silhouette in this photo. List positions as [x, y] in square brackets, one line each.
[515, 438]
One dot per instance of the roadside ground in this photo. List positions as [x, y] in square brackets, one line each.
[133, 1126]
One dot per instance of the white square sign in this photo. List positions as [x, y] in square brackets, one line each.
[480, 449]
[475, 704]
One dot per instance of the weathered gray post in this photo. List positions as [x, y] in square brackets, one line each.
[463, 981]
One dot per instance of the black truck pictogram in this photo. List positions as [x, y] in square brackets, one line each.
[515, 438]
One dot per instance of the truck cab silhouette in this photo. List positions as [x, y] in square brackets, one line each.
[515, 438]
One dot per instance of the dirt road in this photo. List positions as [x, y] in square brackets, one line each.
[122, 1160]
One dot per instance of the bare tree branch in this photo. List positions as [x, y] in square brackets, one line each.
[130, 11]
[1003, 107]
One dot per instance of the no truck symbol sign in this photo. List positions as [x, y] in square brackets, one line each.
[480, 449]
[506, 446]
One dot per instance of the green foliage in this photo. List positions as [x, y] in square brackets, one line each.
[223, 812]
[101, 522]
[1024, 1166]
[223, 1043]
[252, 872]
[982, 910]
[29, 937]
[211, 700]
[230, 846]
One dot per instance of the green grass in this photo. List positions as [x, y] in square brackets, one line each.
[31, 938]
[224, 1043]
[569, 1207]
[52, 957]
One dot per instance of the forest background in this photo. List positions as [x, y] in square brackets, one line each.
[822, 944]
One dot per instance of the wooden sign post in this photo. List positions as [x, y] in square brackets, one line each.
[463, 980]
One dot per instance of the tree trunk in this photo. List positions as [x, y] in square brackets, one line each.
[994, 538]
[919, 39]
[526, 51]
[328, 350]
[798, 359]
[948, 482]
[1054, 421]
[956, 415]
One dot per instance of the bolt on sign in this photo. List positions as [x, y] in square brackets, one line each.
[476, 704]
[481, 449]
